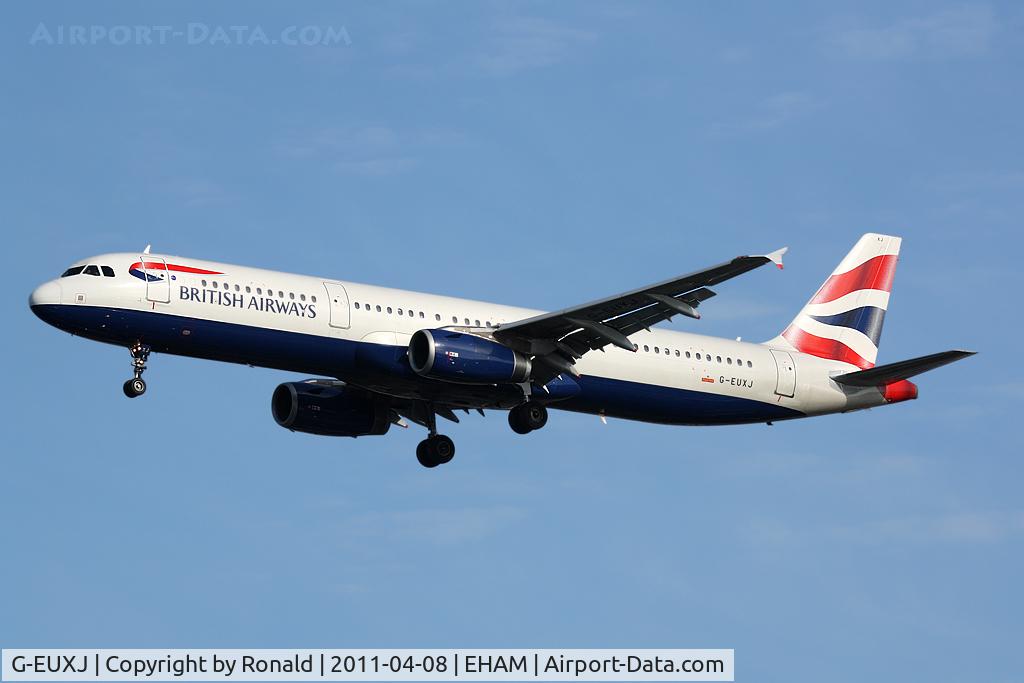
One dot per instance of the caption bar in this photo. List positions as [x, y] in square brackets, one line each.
[367, 665]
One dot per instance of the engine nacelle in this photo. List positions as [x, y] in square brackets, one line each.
[458, 357]
[328, 410]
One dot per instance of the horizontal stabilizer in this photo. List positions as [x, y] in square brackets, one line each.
[894, 372]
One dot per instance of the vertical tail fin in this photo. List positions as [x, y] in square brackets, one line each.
[843, 320]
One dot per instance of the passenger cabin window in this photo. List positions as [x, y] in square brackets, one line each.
[75, 270]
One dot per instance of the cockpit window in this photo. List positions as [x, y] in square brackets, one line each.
[92, 270]
[74, 270]
[107, 271]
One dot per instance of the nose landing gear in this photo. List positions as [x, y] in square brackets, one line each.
[136, 386]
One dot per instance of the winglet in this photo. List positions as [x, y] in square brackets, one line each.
[146, 250]
[776, 256]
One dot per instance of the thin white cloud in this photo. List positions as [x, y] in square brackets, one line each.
[970, 527]
[372, 151]
[824, 470]
[1008, 180]
[730, 308]
[1013, 390]
[955, 32]
[377, 167]
[355, 141]
[772, 112]
[197, 192]
[984, 527]
[736, 54]
[522, 43]
[434, 526]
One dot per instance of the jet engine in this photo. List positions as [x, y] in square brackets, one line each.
[329, 410]
[465, 358]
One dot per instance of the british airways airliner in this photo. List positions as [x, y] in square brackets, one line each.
[383, 356]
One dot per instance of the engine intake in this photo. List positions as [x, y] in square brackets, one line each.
[329, 410]
[465, 358]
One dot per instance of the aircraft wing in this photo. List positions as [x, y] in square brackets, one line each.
[558, 339]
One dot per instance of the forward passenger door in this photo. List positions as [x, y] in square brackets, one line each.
[158, 280]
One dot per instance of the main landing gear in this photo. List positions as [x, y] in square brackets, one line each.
[136, 386]
[436, 449]
[527, 417]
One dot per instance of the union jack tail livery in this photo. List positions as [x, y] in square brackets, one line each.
[843, 320]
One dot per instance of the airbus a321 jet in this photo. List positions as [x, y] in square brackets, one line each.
[384, 356]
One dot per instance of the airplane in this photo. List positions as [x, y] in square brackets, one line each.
[383, 356]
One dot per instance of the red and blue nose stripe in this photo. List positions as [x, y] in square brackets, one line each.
[144, 271]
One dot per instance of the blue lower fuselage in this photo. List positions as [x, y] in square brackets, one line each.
[385, 368]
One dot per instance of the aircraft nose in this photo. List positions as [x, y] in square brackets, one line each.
[44, 294]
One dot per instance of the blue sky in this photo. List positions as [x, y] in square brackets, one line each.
[542, 155]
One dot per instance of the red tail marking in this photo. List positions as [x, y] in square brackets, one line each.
[805, 342]
[875, 273]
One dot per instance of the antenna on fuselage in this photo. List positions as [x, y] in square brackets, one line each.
[146, 250]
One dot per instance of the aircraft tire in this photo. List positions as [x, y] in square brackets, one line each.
[134, 387]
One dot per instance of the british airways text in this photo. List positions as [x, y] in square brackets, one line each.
[263, 304]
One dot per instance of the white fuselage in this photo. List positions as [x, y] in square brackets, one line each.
[314, 307]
